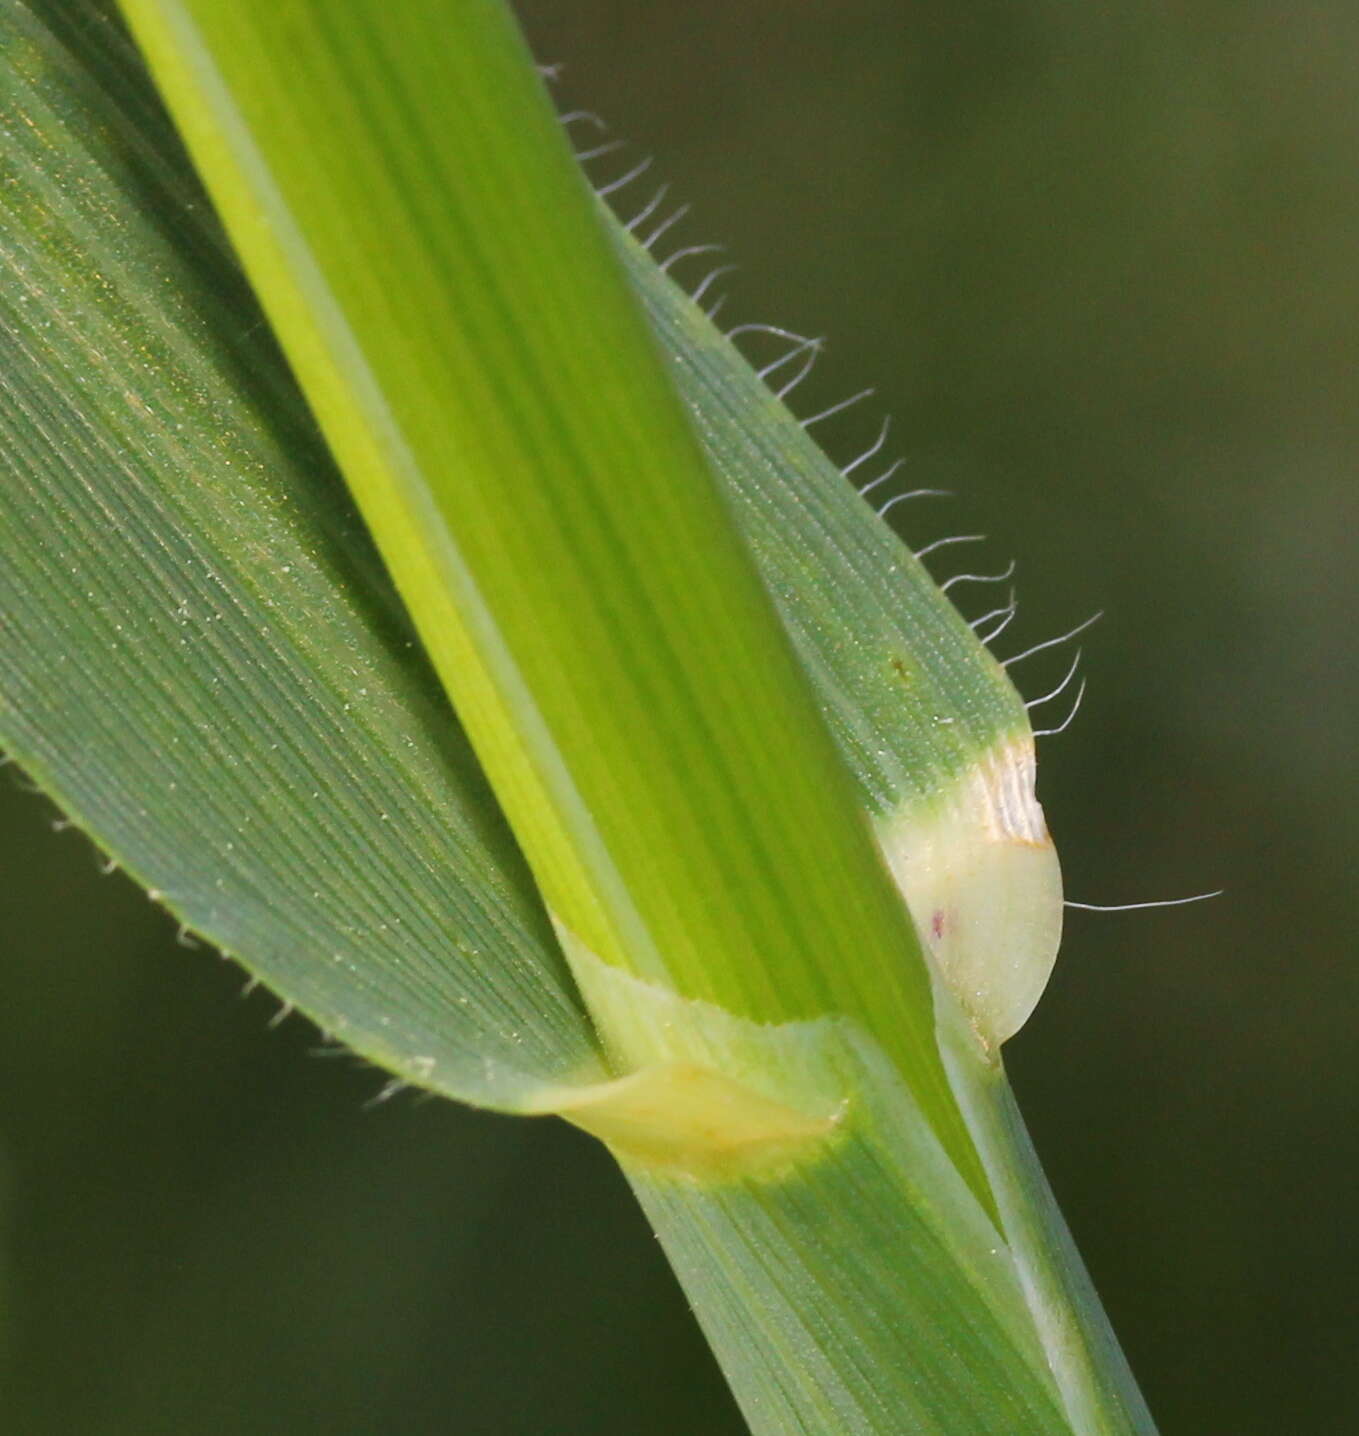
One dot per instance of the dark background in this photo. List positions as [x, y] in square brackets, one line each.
[1101, 262]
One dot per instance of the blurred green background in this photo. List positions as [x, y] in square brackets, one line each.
[1102, 262]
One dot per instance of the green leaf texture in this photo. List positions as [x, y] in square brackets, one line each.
[102, 209]
[498, 407]
[199, 657]
[204, 663]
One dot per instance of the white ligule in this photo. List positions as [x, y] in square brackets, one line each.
[981, 878]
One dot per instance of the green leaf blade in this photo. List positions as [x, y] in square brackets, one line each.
[913, 698]
[202, 661]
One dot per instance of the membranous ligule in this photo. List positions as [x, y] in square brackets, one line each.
[980, 875]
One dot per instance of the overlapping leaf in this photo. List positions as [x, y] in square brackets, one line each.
[200, 658]
[203, 662]
[280, 766]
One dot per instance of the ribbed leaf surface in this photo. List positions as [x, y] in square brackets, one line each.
[204, 663]
[200, 658]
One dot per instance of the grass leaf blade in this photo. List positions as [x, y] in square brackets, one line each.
[201, 658]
